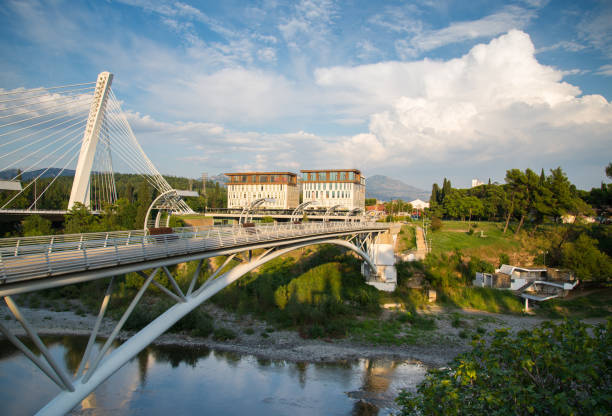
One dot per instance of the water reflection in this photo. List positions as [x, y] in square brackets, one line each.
[178, 380]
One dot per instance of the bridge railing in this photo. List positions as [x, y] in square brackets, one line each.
[38, 257]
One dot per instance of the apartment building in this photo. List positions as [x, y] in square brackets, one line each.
[245, 187]
[344, 187]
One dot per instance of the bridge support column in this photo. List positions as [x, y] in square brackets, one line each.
[80, 185]
[382, 252]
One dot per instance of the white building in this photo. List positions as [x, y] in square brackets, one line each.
[476, 182]
[344, 187]
[244, 188]
[419, 205]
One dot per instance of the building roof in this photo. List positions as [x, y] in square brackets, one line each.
[260, 173]
[330, 170]
[507, 269]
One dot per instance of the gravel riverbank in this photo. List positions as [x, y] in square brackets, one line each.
[258, 338]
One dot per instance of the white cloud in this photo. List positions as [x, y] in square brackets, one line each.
[308, 26]
[595, 28]
[510, 17]
[496, 102]
[605, 70]
[565, 45]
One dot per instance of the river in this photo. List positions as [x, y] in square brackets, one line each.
[175, 381]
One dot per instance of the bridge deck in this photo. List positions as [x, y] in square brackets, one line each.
[42, 257]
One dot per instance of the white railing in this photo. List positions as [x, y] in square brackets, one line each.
[37, 257]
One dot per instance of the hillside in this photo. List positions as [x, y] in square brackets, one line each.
[386, 189]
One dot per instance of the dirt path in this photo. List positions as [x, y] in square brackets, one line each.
[420, 241]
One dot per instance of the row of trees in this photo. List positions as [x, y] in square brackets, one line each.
[525, 196]
[131, 189]
[135, 195]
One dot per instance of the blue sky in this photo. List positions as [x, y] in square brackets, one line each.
[415, 90]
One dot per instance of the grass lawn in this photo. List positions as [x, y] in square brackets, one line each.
[453, 235]
[193, 216]
[483, 299]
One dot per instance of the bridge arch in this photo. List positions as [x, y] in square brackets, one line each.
[102, 367]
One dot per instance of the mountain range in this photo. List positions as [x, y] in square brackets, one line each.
[386, 188]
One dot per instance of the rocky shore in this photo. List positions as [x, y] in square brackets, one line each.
[263, 341]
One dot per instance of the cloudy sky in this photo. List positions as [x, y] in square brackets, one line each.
[416, 90]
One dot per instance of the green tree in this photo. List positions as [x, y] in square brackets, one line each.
[584, 258]
[515, 182]
[80, 220]
[560, 369]
[35, 225]
[473, 206]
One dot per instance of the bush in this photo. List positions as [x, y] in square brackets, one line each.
[584, 258]
[553, 369]
[436, 224]
[223, 334]
[503, 259]
[203, 328]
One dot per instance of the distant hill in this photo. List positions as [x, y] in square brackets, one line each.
[28, 176]
[386, 188]
[221, 178]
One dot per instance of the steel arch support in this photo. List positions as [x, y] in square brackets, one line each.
[66, 400]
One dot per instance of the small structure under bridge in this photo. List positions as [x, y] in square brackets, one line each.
[32, 264]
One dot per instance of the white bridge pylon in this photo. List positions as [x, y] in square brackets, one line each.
[80, 186]
[41, 132]
[146, 253]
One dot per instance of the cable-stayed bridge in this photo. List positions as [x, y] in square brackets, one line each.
[47, 132]
[76, 130]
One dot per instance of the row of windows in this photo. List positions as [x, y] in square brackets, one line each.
[275, 196]
[326, 194]
[333, 176]
[256, 187]
[328, 186]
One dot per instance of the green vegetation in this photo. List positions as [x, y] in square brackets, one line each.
[454, 235]
[407, 238]
[319, 295]
[127, 213]
[592, 304]
[526, 196]
[560, 369]
[223, 334]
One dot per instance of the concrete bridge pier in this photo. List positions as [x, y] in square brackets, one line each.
[382, 252]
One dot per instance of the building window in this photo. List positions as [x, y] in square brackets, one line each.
[342, 176]
[322, 176]
[351, 176]
[333, 176]
[304, 176]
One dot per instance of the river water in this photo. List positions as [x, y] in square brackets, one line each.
[185, 381]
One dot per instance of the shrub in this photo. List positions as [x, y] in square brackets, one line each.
[583, 257]
[223, 334]
[560, 369]
[503, 259]
[436, 224]
[315, 331]
[203, 328]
